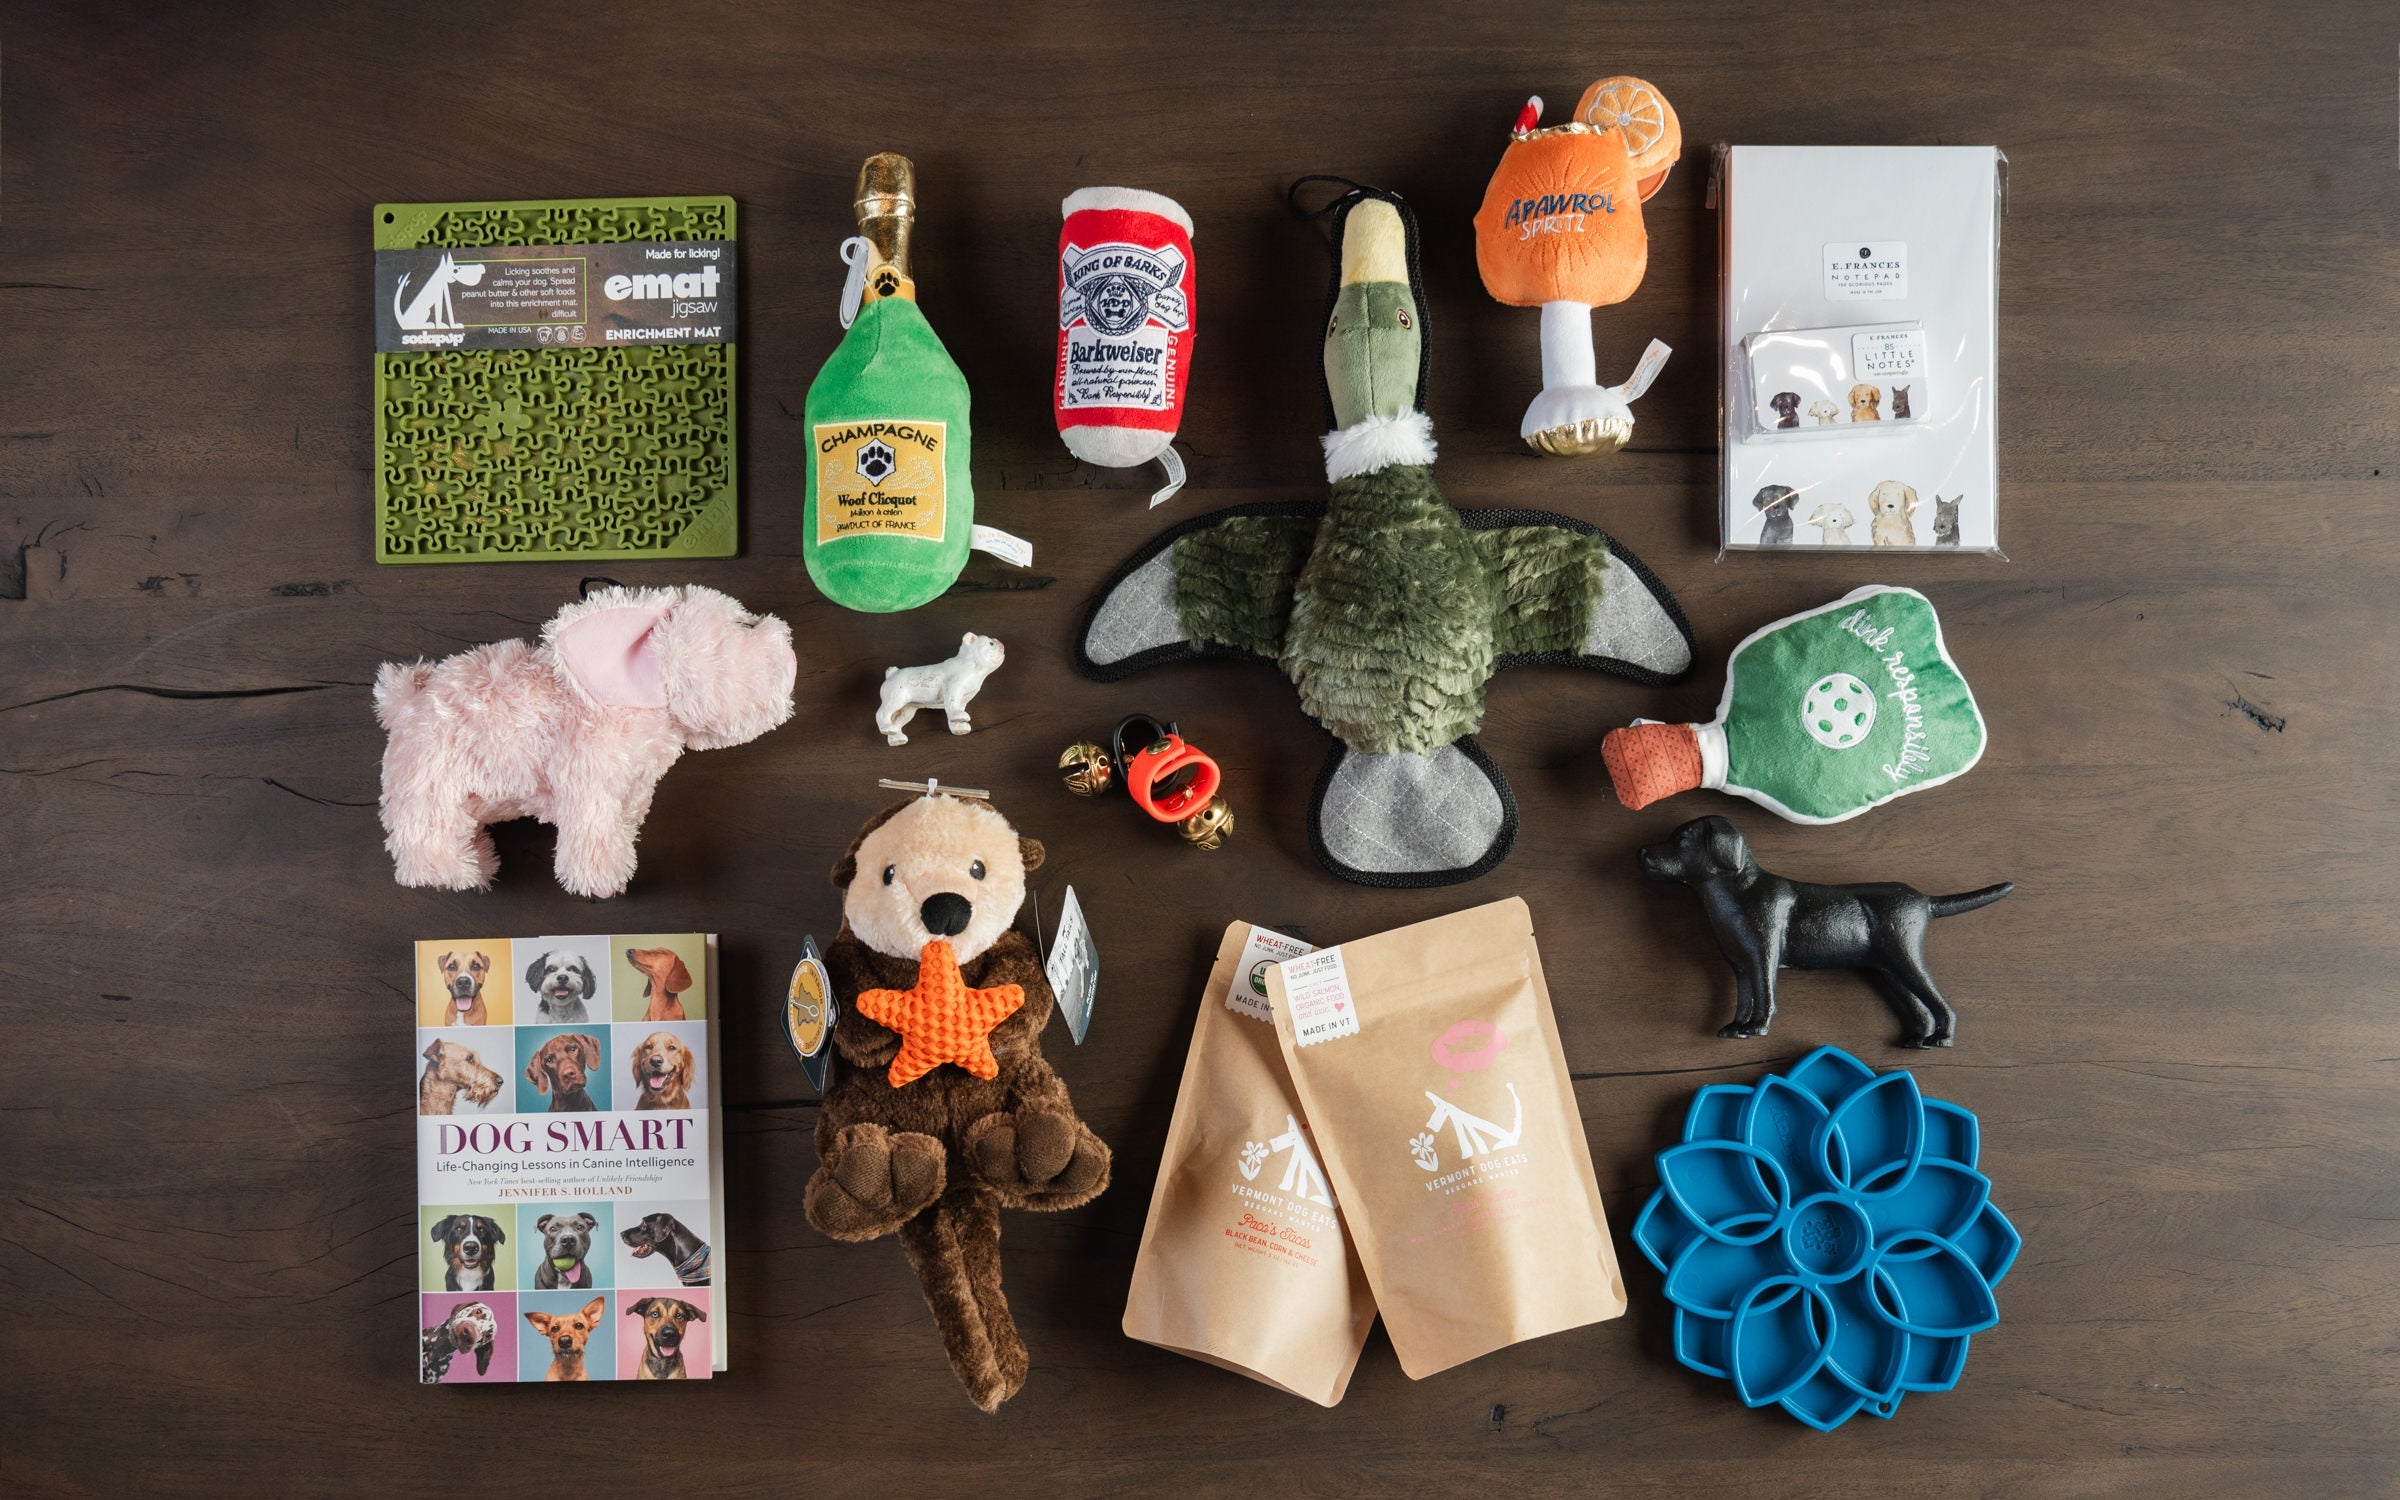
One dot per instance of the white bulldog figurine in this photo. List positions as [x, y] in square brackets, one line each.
[948, 686]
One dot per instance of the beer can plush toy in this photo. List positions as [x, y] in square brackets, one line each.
[1561, 229]
[1124, 328]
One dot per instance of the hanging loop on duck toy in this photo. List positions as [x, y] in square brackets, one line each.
[1169, 779]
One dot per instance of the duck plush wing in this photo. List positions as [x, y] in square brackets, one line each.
[1573, 596]
[1218, 585]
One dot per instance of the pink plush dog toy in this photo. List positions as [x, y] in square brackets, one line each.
[575, 731]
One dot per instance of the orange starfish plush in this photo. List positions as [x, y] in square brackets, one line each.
[942, 1020]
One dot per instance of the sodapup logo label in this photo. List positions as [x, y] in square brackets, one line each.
[1303, 1178]
[433, 306]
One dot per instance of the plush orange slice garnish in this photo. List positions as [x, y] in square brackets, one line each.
[1653, 136]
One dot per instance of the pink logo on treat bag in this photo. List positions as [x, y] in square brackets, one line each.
[1468, 1047]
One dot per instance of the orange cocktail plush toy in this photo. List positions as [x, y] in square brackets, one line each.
[1561, 229]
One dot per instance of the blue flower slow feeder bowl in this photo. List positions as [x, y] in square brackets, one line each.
[1828, 1243]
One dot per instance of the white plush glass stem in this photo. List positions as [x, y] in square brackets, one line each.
[1567, 357]
[1713, 759]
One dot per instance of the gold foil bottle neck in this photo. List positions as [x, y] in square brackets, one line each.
[887, 211]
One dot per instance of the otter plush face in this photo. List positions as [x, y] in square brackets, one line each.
[938, 867]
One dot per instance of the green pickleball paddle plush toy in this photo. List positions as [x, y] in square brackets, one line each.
[1385, 606]
[1826, 714]
[891, 508]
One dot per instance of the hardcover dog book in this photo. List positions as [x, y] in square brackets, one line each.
[569, 1149]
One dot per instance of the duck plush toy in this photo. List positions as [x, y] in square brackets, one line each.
[1387, 608]
[943, 1110]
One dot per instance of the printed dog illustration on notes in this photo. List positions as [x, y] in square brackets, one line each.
[1833, 523]
[1890, 504]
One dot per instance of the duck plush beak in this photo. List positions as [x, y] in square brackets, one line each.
[1374, 339]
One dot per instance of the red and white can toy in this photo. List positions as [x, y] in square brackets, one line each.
[1125, 325]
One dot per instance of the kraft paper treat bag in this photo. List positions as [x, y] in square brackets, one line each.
[1428, 1062]
[1244, 1262]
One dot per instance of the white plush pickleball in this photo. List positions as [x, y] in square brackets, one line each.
[1838, 711]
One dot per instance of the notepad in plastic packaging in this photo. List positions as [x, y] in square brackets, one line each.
[1859, 346]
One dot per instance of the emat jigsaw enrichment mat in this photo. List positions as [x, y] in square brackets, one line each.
[555, 380]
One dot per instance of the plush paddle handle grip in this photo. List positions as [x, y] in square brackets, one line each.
[1649, 761]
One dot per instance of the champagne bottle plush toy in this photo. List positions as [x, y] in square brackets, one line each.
[1825, 714]
[890, 504]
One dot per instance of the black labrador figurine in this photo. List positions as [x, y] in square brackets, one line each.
[1764, 922]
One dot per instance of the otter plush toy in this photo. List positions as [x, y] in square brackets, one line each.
[943, 1110]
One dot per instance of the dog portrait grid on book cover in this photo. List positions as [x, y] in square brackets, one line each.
[569, 1150]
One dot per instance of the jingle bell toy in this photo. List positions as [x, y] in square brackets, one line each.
[1174, 782]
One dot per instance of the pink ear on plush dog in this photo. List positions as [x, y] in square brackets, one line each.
[613, 655]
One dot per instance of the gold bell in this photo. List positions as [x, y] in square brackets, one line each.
[1087, 769]
[1210, 826]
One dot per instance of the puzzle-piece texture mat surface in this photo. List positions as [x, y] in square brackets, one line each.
[539, 455]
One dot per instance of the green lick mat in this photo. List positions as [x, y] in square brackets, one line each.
[543, 455]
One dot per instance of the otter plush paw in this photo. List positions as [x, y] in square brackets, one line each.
[873, 1181]
[1038, 1158]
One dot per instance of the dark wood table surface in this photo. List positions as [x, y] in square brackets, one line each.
[2180, 1032]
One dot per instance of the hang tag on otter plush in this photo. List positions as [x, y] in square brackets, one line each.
[1074, 968]
[809, 1011]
